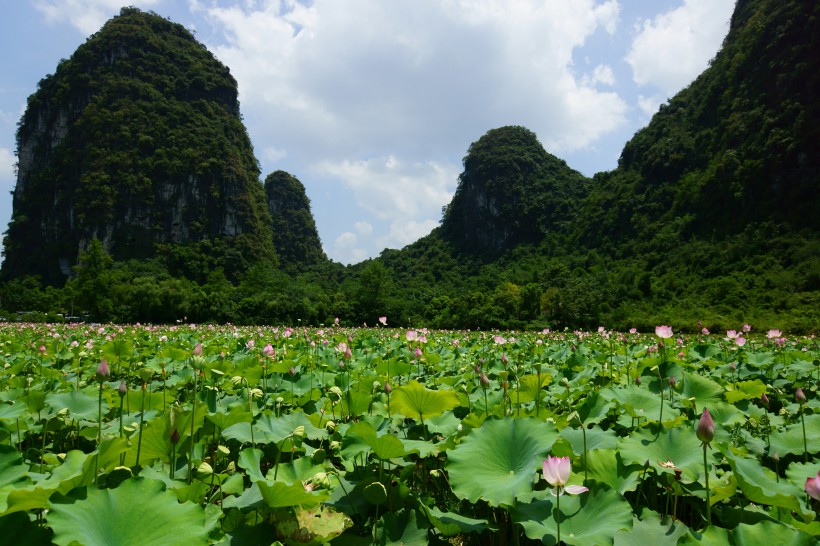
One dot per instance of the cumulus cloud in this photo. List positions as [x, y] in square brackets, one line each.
[87, 16]
[346, 248]
[669, 51]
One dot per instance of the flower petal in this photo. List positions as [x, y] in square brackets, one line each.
[576, 489]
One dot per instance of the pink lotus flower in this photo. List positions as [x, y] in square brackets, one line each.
[383, 321]
[731, 334]
[740, 341]
[705, 331]
[813, 487]
[633, 330]
[197, 350]
[411, 335]
[269, 351]
[556, 471]
[417, 353]
[663, 332]
[773, 334]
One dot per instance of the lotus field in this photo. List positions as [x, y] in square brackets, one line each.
[198, 434]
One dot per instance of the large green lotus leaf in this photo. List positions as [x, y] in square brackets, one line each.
[641, 403]
[298, 471]
[281, 495]
[798, 472]
[312, 526]
[156, 443]
[703, 391]
[79, 404]
[222, 420]
[135, 513]
[361, 437]
[758, 360]
[725, 416]
[64, 478]
[529, 389]
[617, 476]
[498, 461]
[450, 524]
[679, 445]
[399, 529]
[444, 424]
[117, 350]
[745, 390]
[588, 519]
[790, 439]
[250, 459]
[593, 409]
[19, 530]
[595, 437]
[12, 411]
[13, 473]
[760, 486]
[269, 429]
[761, 533]
[415, 401]
[649, 530]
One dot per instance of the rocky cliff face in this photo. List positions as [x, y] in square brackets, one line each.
[294, 231]
[511, 192]
[135, 140]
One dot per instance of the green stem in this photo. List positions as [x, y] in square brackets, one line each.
[805, 445]
[584, 431]
[122, 456]
[99, 437]
[142, 416]
[558, 516]
[193, 415]
[708, 492]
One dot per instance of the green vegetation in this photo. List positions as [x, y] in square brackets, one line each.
[361, 436]
[711, 218]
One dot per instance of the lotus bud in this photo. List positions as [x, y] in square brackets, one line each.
[638, 381]
[813, 486]
[292, 371]
[672, 381]
[706, 427]
[484, 381]
[764, 399]
[122, 390]
[387, 388]
[800, 396]
[175, 436]
[504, 358]
[103, 371]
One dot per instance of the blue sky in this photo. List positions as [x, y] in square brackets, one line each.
[373, 104]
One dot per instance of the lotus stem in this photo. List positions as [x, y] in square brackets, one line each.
[708, 492]
[558, 517]
[193, 415]
[142, 418]
[99, 437]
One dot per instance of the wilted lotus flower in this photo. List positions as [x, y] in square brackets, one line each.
[813, 487]
[663, 332]
[103, 371]
[556, 471]
[706, 427]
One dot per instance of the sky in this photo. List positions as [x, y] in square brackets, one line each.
[372, 104]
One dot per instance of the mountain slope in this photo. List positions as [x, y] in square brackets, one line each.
[136, 140]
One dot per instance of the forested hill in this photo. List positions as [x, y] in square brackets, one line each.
[136, 141]
[711, 216]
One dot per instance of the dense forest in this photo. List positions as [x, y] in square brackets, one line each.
[711, 218]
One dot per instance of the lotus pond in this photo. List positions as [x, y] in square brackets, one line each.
[197, 434]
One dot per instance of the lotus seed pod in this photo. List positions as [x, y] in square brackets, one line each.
[204, 469]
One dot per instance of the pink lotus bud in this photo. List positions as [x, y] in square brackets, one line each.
[122, 390]
[733, 366]
[638, 381]
[504, 358]
[706, 427]
[813, 487]
[672, 381]
[484, 381]
[197, 350]
[269, 351]
[387, 388]
[764, 399]
[800, 396]
[292, 371]
[383, 321]
[417, 353]
[103, 371]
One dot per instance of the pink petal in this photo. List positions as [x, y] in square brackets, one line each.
[576, 489]
[564, 468]
[552, 471]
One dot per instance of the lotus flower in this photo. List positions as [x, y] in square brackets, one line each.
[556, 472]
[813, 487]
[663, 332]
[383, 321]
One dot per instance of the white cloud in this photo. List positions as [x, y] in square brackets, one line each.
[346, 249]
[404, 232]
[274, 154]
[7, 174]
[649, 105]
[670, 50]
[85, 15]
